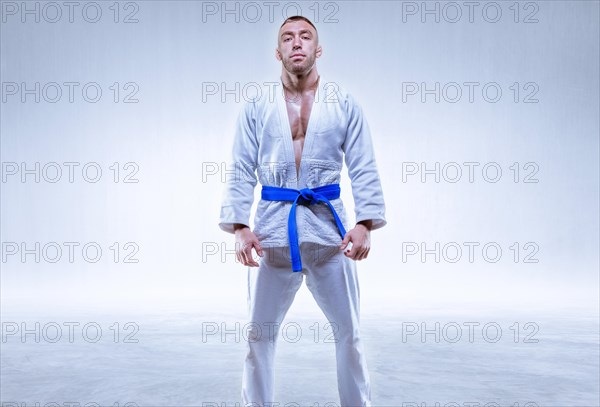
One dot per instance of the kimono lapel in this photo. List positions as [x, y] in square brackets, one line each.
[315, 115]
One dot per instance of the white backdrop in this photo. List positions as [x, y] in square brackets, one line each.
[117, 120]
[179, 67]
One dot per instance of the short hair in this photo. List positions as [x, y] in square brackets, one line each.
[296, 18]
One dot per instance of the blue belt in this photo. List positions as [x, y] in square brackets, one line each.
[304, 196]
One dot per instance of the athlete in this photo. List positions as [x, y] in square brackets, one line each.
[295, 137]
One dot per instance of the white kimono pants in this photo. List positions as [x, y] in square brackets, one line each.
[332, 279]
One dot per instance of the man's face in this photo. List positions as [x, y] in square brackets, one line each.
[297, 47]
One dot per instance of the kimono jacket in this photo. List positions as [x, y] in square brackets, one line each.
[263, 147]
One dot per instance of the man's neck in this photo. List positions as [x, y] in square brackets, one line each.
[300, 83]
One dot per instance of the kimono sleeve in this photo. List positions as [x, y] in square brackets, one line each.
[362, 168]
[238, 195]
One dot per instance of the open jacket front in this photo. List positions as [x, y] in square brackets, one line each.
[263, 146]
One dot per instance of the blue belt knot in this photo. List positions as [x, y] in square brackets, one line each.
[305, 196]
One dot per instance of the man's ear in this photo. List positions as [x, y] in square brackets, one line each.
[319, 51]
[277, 54]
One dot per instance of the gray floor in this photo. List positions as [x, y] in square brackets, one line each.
[172, 365]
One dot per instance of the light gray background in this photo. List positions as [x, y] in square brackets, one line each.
[371, 50]
[172, 135]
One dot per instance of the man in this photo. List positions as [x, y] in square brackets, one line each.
[295, 137]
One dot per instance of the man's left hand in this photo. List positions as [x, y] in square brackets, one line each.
[360, 237]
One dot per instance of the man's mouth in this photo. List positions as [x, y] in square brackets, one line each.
[297, 55]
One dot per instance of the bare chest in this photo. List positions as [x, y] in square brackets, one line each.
[299, 109]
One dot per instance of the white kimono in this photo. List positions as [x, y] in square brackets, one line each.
[263, 145]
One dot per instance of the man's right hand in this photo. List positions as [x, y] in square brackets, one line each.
[245, 240]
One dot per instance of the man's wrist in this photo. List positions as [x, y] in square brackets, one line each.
[368, 224]
[239, 226]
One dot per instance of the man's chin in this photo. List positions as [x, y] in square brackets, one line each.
[298, 69]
